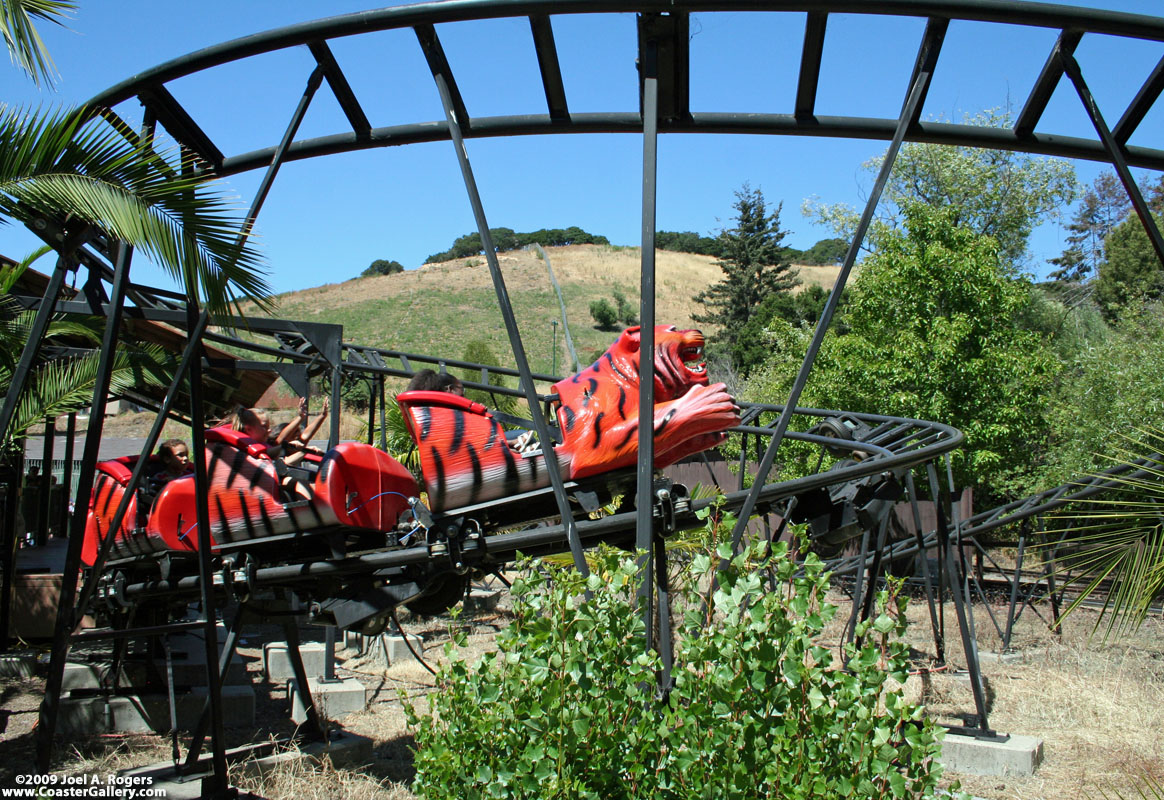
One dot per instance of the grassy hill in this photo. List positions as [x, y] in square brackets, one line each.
[438, 309]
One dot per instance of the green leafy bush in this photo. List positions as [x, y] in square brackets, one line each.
[567, 708]
[604, 314]
[382, 267]
[626, 311]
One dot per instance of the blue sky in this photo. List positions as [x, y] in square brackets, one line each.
[328, 218]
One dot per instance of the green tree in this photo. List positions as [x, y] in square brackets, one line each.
[506, 239]
[1102, 207]
[826, 251]
[934, 334]
[686, 242]
[753, 264]
[479, 352]
[1000, 193]
[801, 309]
[1107, 391]
[382, 267]
[626, 311]
[1132, 273]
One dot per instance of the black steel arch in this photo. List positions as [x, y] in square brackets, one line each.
[1071, 23]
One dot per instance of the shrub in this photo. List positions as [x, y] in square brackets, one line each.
[604, 314]
[626, 312]
[567, 708]
[382, 267]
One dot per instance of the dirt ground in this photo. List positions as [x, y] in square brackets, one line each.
[1099, 709]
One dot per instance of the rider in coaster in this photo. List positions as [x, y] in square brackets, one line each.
[175, 456]
[292, 440]
[428, 380]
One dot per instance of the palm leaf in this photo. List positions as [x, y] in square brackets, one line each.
[66, 385]
[24, 44]
[10, 273]
[1117, 539]
[400, 443]
[66, 164]
[1148, 788]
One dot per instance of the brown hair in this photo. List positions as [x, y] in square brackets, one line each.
[166, 448]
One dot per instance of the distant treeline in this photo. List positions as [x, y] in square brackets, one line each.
[826, 251]
[507, 239]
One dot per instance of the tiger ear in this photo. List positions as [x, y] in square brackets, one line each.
[631, 339]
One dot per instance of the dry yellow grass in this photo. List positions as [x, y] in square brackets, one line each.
[678, 277]
[1099, 708]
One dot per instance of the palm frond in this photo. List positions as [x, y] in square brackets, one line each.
[27, 49]
[10, 273]
[66, 163]
[1117, 540]
[1147, 788]
[65, 385]
[400, 443]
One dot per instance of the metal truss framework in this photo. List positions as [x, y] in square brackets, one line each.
[664, 80]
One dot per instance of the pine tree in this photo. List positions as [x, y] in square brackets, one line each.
[754, 266]
[1103, 206]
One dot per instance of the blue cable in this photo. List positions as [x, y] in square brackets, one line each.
[370, 499]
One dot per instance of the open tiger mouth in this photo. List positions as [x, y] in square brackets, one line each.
[693, 359]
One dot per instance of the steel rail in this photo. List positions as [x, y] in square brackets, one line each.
[618, 528]
[629, 122]
[1028, 507]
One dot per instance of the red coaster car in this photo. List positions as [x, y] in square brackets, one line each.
[251, 497]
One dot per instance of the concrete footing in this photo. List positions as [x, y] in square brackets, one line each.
[17, 666]
[79, 677]
[343, 748]
[277, 661]
[481, 601]
[386, 650]
[1008, 657]
[1018, 755]
[333, 699]
[82, 715]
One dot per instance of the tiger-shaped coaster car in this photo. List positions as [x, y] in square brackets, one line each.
[465, 457]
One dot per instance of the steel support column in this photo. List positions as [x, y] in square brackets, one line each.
[1115, 151]
[66, 609]
[942, 502]
[455, 116]
[31, 351]
[272, 172]
[655, 591]
[12, 472]
[44, 498]
[645, 534]
[218, 784]
[1014, 591]
[923, 558]
[923, 71]
[67, 473]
